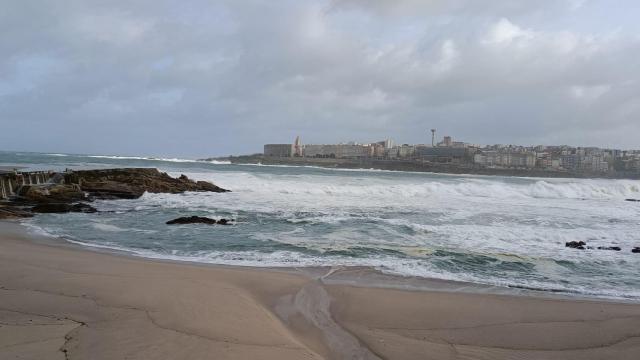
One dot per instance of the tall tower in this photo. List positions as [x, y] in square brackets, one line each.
[297, 147]
[433, 137]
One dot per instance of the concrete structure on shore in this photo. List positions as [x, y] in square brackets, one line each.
[10, 181]
[279, 150]
[339, 151]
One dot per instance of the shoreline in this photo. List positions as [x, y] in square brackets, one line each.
[67, 302]
[357, 276]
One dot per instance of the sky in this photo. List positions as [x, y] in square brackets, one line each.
[211, 78]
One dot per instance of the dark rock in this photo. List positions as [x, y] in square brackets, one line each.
[192, 220]
[614, 248]
[11, 212]
[636, 250]
[110, 190]
[131, 183]
[576, 245]
[63, 208]
[199, 220]
[632, 200]
[207, 186]
[51, 193]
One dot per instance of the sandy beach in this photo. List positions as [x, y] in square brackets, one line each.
[64, 302]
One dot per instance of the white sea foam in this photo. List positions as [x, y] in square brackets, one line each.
[107, 227]
[393, 266]
[458, 187]
[217, 162]
[177, 160]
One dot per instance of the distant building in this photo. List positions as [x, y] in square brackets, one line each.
[279, 150]
[440, 154]
[447, 141]
[339, 151]
[505, 159]
[569, 161]
[406, 150]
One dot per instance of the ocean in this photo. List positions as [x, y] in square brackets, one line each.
[501, 231]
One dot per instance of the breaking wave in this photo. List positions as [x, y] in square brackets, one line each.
[466, 187]
[115, 157]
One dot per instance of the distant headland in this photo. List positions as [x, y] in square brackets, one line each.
[454, 157]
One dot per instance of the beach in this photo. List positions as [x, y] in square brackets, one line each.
[59, 301]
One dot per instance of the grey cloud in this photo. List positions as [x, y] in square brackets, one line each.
[207, 78]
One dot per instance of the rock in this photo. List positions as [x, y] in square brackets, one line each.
[614, 248]
[192, 220]
[576, 245]
[11, 212]
[110, 190]
[51, 193]
[207, 186]
[632, 200]
[131, 183]
[199, 220]
[636, 250]
[63, 208]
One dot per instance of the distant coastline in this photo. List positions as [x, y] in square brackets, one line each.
[419, 166]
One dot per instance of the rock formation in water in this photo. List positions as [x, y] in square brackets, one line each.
[576, 245]
[132, 183]
[49, 207]
[199, 220]
[69, 191]
[613, 248]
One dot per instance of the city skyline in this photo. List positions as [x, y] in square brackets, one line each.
[440, 138]
[450, 155]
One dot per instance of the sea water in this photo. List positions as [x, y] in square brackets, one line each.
[502, 231]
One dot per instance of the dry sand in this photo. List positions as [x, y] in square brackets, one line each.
[59, 301]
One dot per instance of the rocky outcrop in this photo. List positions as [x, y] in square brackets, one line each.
[581, 245]
[131, 183]
[199, 220]
[63, 208]
[636, 250]
[612, 248]
[11, 212]
[576, 245]
[65, 192]
[51, 193]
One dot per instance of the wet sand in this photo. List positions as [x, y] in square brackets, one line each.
[66, 302]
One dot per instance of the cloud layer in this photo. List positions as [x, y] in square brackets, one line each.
[212, 78]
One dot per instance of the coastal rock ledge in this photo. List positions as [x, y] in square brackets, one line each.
[131, 183]
[69, 191]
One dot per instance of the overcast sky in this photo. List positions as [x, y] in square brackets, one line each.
[196, 78]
